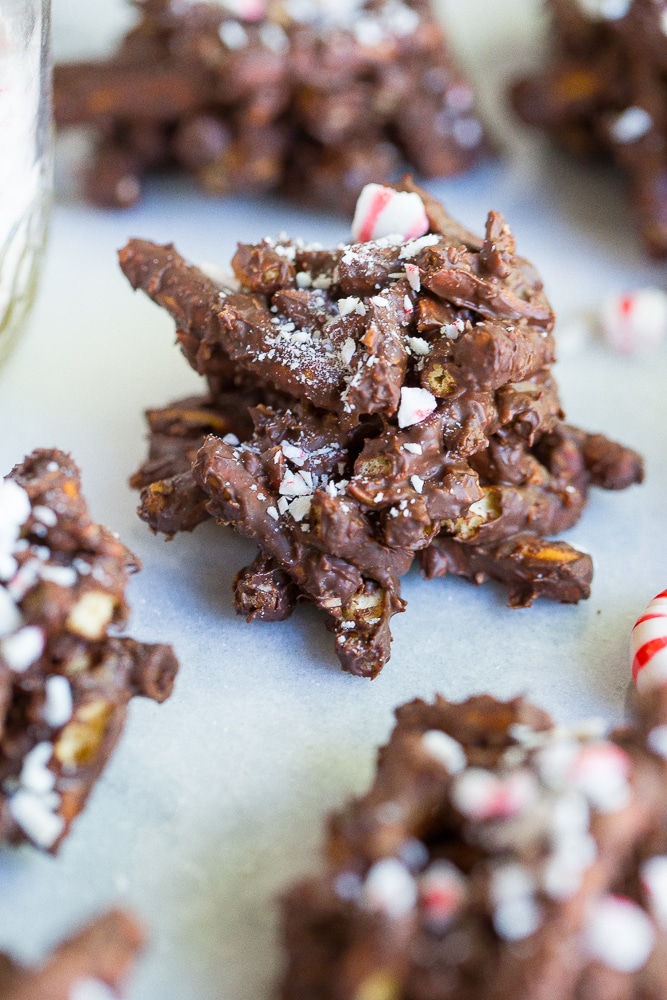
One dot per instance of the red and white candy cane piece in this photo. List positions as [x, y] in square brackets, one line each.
[634, 322]
[381, 211]
[649, 644]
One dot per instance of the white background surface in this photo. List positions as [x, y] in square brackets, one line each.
[214, 801]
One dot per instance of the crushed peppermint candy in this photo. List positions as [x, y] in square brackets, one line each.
[14, 512]
[297, 456]
[634, 322]
[35, 816]
[389, 888]
[382, 211]
[631, 125]
[653, 874]
[445, 749]
[351, 304]
[619, 934]
[296, 484]
[10, 616]
[606, 10]
[347, 351]
[23, 648]
[601, 772]
[442, 890]
[413, 275]
[656, 741]
[416, 246]
[413, 448]
[417, 483]
[233, 35]
[300, 508]
[418, 346]
[58, 705]
[416, 405]
[35, 774]
[482, 795]
[516, 913]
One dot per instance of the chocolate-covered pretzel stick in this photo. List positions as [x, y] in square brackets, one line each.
[527, 565]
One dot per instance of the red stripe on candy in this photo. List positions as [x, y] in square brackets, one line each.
[378, 203]
[647, 652]
[648, 618]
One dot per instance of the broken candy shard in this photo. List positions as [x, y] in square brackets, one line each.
[383, 211]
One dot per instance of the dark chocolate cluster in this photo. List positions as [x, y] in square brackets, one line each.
[65, 681]
[495, 855]
[603, 91]
[308, 97]
[367, 405]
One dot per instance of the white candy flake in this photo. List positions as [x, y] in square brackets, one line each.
[605, 10]
[416, 405]
[10, 616]
[631, 125]
[300, 508]
[619, 934]
[233, 35]
[654, 881]
[296, 484]
[35, 817]
[35, 775]
[23, 648]
[389, 888]
[295, 455]
[418, 346]
[58, 704]
[347, 351]
[656, 740]
[445, 749]
[516, 914]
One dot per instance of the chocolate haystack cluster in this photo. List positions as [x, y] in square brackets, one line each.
[604, 91]
[309, 97]
[64, 680]
[370, 404]
[92, 965]
[495, 855]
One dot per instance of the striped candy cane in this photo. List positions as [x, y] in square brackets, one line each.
[649, 644]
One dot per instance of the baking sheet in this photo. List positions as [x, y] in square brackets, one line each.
[214, 801]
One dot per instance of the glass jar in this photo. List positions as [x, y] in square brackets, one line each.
[25, 157]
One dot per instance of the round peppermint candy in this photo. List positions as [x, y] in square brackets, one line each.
[648, 649]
